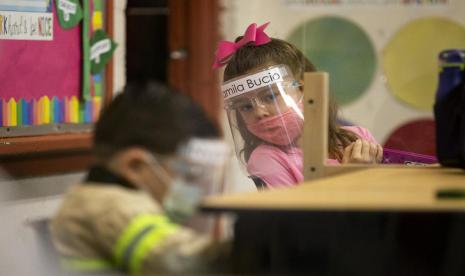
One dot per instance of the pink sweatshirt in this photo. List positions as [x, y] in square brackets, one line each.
[280, 169]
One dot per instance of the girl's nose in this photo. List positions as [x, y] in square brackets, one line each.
[261, 111]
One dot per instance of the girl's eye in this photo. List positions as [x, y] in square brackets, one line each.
[247, 107]
[269, 98]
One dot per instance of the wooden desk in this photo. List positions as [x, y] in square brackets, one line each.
[381, 221]
[407, 189]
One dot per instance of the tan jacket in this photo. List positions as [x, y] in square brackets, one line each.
[101, 226]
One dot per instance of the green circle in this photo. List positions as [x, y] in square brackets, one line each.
[410, 58]
[341, 48]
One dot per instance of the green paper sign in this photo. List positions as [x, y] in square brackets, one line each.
[69, 13]
[101, 50]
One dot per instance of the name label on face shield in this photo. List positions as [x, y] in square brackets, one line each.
[253, 82]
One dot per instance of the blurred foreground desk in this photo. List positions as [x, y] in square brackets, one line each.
[380, 221]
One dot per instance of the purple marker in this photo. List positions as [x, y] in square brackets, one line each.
[392, 156]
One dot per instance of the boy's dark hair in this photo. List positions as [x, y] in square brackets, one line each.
[151, 116]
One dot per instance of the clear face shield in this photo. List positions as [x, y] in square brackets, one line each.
[264, 110]
[198, 171]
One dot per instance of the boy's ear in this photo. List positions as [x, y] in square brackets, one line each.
[131, 164]
[136, 165]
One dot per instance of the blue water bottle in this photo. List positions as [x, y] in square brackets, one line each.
[449, 109]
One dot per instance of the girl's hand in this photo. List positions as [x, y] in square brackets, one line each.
[362, 152]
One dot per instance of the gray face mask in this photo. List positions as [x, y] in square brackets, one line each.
[181, 201]
[197, 168]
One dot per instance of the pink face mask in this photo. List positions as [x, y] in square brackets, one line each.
[280, 129]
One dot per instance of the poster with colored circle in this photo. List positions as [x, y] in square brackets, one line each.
[342, 48]
[414, 136]
[410, 58]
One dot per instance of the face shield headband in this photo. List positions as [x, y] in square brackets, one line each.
[253, 82]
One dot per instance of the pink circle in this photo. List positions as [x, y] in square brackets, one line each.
[417, 136]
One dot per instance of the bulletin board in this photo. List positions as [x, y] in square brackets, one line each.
[52, 72]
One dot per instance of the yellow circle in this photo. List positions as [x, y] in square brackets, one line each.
[410, 58]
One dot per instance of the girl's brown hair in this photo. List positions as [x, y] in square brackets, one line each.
[277, 51]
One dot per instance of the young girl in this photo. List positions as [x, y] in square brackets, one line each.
[262, 90]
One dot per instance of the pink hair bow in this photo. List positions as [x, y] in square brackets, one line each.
[252, 34]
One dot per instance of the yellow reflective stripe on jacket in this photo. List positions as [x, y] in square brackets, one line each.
[135, 227]
[143, 233]
[78, 264]
[147, 243]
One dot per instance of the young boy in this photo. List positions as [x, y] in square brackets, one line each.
[117, 218]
